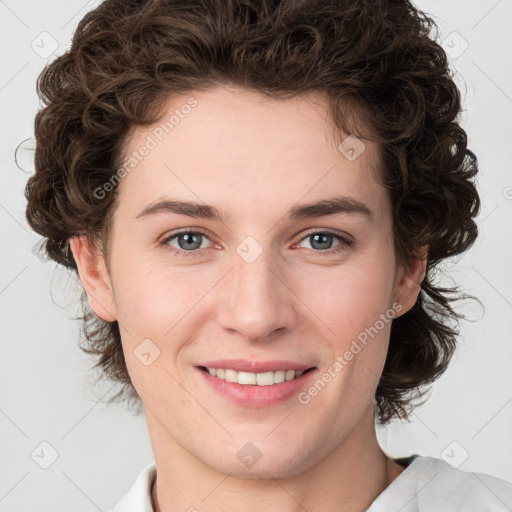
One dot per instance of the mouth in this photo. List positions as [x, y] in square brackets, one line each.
[269, 378]
[254, 383]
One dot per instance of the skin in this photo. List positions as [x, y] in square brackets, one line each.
[254, 158]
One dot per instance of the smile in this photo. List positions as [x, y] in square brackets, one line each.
[256, 379]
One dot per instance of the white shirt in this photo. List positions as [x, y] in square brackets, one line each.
[427, 484]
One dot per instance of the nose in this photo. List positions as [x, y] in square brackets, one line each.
[257, 300]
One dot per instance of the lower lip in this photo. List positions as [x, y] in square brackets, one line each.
[248, 395]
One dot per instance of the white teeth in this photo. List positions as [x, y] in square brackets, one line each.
[264, 379]
[279, 376]
[246, 378]
[231, 376]
[258, 379]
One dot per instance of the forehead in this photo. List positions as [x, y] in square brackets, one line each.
[235, 147]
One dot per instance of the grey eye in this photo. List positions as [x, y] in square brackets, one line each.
[321, 241]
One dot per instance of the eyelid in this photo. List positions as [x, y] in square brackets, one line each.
[344, 236]
[179, 231]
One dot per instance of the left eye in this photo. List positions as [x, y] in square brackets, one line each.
[323, 241]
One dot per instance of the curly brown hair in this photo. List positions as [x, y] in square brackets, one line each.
[378, 59]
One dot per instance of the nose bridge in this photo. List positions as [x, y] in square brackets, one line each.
[258, 303]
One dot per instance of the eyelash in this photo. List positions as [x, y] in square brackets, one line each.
[345, 242]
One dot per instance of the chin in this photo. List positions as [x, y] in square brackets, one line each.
[251, 463]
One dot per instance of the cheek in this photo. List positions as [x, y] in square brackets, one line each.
[349, 298]
[357, 309]
[155, 300]
[156, 310]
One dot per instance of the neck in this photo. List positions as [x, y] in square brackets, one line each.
[353, 474]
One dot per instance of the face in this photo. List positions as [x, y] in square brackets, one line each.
[266, 282]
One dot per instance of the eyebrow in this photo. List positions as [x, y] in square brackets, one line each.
[332, 206]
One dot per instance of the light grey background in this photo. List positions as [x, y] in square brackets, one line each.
[46, 392]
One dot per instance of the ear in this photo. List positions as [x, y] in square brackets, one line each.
[95, 278]
[408, 280]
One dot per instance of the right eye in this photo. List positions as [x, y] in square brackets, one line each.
[188, 242]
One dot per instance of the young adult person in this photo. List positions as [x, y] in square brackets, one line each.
[255, 197]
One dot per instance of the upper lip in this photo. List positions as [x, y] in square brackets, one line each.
[247, 365]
